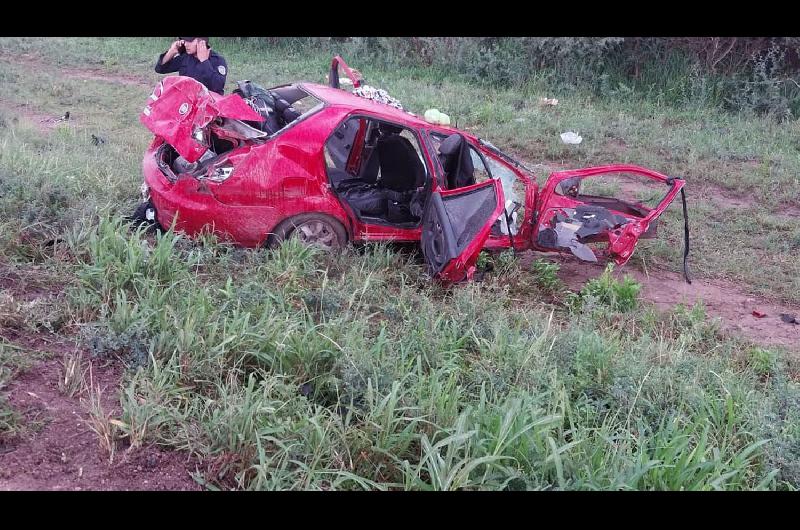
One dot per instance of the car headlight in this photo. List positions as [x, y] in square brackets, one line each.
[199, 136]
[221, 173]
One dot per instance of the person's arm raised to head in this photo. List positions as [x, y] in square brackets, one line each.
[213, 71]
[166, 62]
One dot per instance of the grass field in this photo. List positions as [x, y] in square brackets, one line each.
[290, 369]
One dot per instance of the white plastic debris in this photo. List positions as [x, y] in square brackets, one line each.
[572, 138]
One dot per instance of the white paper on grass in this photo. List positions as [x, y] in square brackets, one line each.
[571, 138]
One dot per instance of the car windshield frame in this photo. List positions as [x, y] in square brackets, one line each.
[506, 157]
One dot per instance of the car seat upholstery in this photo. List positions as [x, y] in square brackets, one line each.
[401, 173]
[456, 162]
[401, 168]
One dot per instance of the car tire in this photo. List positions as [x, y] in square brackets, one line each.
[311, 228]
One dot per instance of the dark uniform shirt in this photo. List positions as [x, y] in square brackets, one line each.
[211, 73]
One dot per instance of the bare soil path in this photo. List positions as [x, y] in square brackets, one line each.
[66, 454]
[723, 300]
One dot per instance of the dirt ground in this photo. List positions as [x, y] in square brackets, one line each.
[724, 301]
[58, 449]
[65, 453]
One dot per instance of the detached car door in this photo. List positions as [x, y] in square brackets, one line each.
[455, 226]
[615, 205]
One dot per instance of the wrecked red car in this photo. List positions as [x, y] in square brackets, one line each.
[330, 166]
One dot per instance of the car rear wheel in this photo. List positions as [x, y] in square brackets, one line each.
[312, 229]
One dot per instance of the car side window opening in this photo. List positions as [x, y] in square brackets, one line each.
[280, 106]
[514, 193]
[626, 193]
[378, 169]
[463, 165]
[482, 174]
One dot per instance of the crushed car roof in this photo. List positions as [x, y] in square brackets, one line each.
[341, 98]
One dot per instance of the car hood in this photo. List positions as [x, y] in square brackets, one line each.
[180, 108]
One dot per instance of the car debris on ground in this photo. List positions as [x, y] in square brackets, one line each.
[571, 138]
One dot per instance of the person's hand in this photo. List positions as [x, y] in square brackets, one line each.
[172, 52]
[202, 51]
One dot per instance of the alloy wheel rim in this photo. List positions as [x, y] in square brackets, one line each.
[317, 233]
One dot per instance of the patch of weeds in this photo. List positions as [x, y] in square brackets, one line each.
[545, 275]
[10, 312]
[484, 260]
[608, 292]
[14, 360]
[102, 424]
[506, 261]
[131, 345]
[11, 425]
[73, 376]
[593, 360]
[501, 263]
[762, 361]
[34, 315]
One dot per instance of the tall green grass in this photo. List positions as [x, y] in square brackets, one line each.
[291, 369]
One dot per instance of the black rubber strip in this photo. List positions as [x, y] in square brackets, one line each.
[685, 239]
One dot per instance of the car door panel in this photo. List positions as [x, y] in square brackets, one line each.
[570, 221]
[455, 226]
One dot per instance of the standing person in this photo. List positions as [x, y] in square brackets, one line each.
[193, 57]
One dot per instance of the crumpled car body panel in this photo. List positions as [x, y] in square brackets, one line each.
[181, 106]
[622, 237]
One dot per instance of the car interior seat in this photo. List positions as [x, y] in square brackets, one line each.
[388, 179]
[456, 162]
[401, 168]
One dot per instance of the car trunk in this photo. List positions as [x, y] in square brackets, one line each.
[195, 121]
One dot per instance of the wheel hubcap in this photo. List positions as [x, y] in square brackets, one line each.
[317, 233]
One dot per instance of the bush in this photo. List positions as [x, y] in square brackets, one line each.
[740, 74]
[545, 275]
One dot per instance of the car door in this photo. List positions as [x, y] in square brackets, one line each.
[585, 206]
[455, 226]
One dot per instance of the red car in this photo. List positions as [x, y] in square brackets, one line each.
[331, 166]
